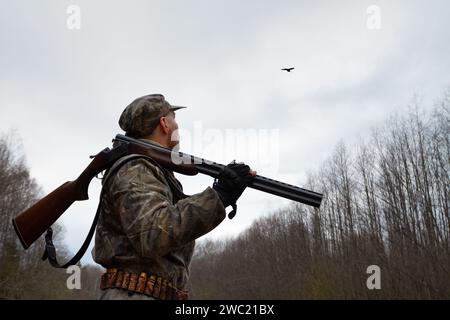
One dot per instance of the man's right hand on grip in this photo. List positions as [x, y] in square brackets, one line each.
[232, 181]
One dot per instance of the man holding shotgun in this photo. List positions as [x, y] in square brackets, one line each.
[147, 227]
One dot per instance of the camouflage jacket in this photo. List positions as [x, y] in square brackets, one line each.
[144, 226]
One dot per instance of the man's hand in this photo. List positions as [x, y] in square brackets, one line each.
[232, 181]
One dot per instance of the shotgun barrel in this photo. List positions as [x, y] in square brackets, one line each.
[213, 169]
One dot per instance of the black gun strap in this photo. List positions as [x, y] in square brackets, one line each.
[50, 251]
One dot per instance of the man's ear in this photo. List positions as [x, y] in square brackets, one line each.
[164, 125]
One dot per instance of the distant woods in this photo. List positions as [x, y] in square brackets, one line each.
[386, 204]
[23, 275]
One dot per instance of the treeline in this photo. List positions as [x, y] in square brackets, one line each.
[23, 275]
[386, 204]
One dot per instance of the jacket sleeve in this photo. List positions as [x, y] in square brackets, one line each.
[151, 222]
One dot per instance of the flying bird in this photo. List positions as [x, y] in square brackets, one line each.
[287, 69]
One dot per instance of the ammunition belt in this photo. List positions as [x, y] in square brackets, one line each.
[150, 285]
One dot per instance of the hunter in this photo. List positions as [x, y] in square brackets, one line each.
[147, 226]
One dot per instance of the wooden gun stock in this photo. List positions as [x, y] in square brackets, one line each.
[33, 222]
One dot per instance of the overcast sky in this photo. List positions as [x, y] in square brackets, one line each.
[62, 90]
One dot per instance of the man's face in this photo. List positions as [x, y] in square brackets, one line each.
[173, 127]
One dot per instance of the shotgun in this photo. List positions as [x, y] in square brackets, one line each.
[33, 222]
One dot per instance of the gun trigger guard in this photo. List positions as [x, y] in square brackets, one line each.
[232, 212]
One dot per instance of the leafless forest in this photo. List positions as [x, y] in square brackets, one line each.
[23, 275]
[386, 203]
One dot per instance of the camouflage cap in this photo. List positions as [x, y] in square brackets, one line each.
[142, 116]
